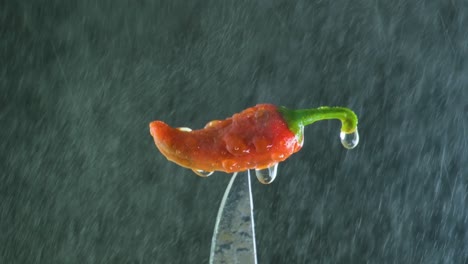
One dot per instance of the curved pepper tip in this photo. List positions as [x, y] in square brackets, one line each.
[155, 128]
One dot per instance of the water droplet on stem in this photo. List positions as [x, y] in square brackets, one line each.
[300, 139]
[267, 175]
[202, 173]
[349, 140]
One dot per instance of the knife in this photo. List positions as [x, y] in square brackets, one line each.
[234, 234]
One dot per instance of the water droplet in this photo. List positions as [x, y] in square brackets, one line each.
[262, 117]
[230, 165]
[277, 156]
[300, 140]
[267, 175]
[236, 145]
[349, 140]
[262, 144]
[213, 123]
[186, 129]
[202, 173]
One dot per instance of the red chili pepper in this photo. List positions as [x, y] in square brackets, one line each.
[256, 138]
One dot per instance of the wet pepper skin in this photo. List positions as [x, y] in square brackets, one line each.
[256, 138]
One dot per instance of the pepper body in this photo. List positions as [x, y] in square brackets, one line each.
[256, 138]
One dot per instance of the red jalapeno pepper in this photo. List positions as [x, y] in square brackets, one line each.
[255, 138]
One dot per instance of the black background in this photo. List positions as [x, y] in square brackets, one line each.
[82, 182]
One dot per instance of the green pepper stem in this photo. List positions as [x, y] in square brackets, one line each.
[297, 119]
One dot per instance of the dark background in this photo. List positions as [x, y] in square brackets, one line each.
[82, 182]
